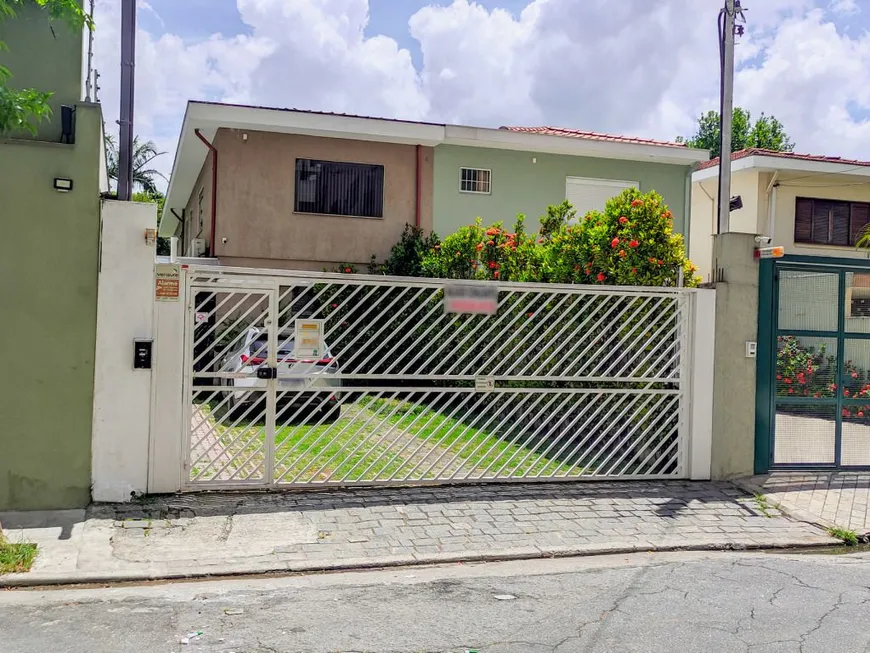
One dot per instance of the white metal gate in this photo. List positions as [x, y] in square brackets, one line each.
[564, 382]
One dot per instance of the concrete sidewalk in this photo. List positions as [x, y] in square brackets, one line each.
[186, 536]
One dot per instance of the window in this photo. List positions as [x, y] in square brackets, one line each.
[199, 206]
[829, 222]
[475, 180]
[331, 188]
[592, 194]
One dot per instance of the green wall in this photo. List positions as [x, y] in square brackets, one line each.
[520, 186]
[49, 257]
[44, 60]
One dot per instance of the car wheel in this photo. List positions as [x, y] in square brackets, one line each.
[330, 414]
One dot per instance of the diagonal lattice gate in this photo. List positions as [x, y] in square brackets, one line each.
[301, 379]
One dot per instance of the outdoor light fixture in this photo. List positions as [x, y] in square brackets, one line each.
[63, 185]
[736, 203]
[150, 236]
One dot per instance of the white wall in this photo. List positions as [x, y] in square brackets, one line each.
[700, 422]
[122, 395]
[168, 411]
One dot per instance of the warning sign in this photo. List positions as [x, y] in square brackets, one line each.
[308, 340]
[167, 282]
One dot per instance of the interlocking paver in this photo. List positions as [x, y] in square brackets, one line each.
[828, 498]
[222, 533]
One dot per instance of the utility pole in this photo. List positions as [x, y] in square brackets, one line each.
[88, 80]
[128, 65]
[728, 29]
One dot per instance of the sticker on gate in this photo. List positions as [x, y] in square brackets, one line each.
[308, 339]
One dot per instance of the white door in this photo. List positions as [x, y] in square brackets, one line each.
[586, 194]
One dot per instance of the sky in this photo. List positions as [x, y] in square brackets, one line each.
[633, 67]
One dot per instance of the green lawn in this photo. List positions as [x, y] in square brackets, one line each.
[378, 439]
[15, 558]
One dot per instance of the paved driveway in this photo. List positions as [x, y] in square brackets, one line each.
[827, 498]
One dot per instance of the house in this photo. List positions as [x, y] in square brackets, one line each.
[308, 190]
[810, 205]
[813, 304]
[50, 187]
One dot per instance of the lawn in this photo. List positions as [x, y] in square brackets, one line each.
[378, 439]
[15, 558]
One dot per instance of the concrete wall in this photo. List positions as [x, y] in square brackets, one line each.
[49, 256]
[45, 56]
[256, 197]
[520, 185]
[122, 395]
[733, 446]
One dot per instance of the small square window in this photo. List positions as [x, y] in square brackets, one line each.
[475, 180]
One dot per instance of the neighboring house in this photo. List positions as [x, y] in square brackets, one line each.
[308, 190]
[49, 259]
[810, 205]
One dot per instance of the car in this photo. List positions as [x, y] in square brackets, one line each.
[304, 387]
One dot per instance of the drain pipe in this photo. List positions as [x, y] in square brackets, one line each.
[214, 164]
[419, 182]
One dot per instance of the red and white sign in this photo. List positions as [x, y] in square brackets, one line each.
[471, 299]
[769, 252]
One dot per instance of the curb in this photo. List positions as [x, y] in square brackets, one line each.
[37, 579]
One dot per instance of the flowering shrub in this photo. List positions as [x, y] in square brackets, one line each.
[631, 243]
[803, 371]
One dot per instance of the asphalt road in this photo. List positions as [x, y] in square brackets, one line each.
[679, 603]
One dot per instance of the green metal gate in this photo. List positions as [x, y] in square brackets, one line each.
[813, 400]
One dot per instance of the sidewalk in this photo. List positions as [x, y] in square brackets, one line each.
[829, 499]
[186, 536]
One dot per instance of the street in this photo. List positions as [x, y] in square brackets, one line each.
[680, 602]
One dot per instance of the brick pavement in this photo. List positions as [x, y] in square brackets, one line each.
[827, 498]
[226, 533]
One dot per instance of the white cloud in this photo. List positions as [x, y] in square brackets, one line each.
[636, 66]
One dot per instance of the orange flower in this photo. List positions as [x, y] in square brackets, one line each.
[614, 243]
[495, 274]
[637, 203]
[634, 270]
[601, 276]
[479, 246]
[347, 270]
[623, 220]
[633, 243]
[622, 253]
[490, 243]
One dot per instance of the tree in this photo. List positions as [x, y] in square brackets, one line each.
[24, 109]
[766, 133]
[143, 154]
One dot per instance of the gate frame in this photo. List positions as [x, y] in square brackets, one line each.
[169, 445]
[768, 317]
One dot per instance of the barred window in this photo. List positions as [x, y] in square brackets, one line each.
[332, 188]
[475, 180]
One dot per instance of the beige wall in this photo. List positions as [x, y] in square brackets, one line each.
[704, 215]
[196, 225]
[847, 189]
[256, 224]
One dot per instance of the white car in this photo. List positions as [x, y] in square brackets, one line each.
[295, 377]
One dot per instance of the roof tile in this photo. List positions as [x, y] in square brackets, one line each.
[757, 151]
[592, 136]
